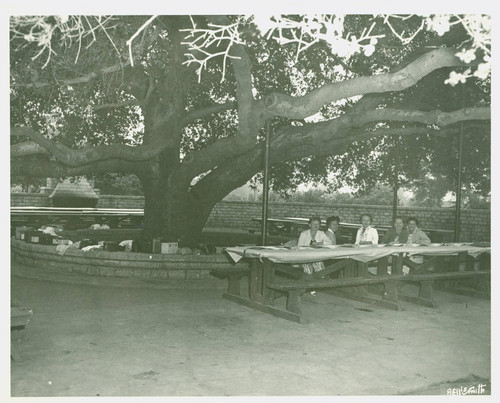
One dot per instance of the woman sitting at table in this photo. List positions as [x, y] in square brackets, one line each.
[313, 237]
[415, 234]
[397, 234]
[366, 234]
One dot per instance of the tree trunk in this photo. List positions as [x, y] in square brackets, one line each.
[171, 211]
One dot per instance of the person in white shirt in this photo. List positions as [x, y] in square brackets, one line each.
[313, 236]
[366, 234]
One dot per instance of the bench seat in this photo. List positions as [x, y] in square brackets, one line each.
[360, 281]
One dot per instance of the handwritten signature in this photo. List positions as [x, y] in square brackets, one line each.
[478, 389]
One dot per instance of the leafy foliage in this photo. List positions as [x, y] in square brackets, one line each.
[150, 104]
[117, 184]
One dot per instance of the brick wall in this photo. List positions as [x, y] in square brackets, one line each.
[475, 224]
[29, 200]
[113, 201]
[237, 214]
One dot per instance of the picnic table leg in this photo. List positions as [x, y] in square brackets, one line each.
[255, 283]
[425, 290]
[390, 291]
[268, 277]
[483, 284]
[349, 269]
[397, 264]
[234, 283]
[261, 296]
[462, 261]
[424, 295]
[382, 264]
[294, 301]
[476, 286]
[362, 272]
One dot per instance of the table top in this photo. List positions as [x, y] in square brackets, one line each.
[363, 253]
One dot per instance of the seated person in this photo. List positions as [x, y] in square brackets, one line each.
[396, 234]
[333, 231]
[415, 234]
[332, 228]
[366, 235]
[313, 237]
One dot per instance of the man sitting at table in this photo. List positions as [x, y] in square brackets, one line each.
[332, 229]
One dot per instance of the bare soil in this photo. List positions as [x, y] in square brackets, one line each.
[118, 337]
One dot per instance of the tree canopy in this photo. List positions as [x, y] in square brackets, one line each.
[182, 101]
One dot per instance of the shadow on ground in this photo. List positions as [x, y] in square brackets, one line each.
[119, 337]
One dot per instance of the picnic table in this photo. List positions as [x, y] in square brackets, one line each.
[275, 272]
[292, 226]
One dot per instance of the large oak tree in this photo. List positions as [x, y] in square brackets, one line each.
[101, 106]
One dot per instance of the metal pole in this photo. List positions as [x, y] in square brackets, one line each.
[395, 197]
[265, 190]
[458, 202]
[395, 184]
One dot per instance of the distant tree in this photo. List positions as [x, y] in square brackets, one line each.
[27, 183]
[118, 184]
[429, 192]
[474, 201]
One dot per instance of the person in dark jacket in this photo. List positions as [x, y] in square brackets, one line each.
[333, 230]
[397, 234]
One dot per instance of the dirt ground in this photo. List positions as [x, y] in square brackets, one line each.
[120, 337]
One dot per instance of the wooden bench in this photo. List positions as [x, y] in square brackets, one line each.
[390, 297]
[234, 275]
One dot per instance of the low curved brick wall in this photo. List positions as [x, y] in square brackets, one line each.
[119, 264]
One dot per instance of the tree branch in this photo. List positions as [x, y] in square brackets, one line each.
[277, 104]
[27, 148]
[88, 155]
[140, 49]
[321, 131]
[242, 71]
[435, 117]
[77, 80]
[116, 105]
[209, 110]
[237, 171]
[311, 138]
